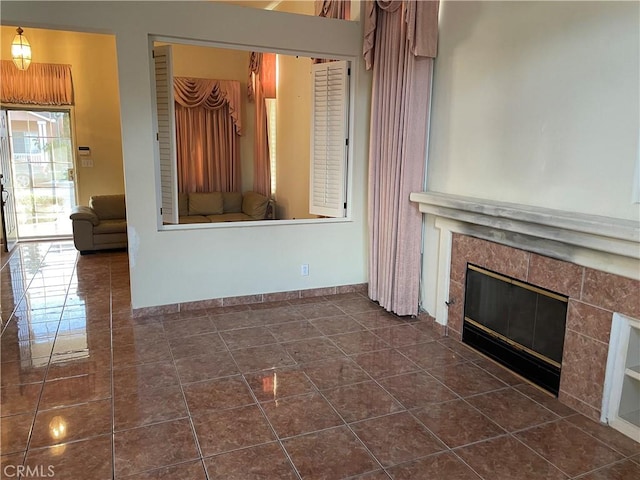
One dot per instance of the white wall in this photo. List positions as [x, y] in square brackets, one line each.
[538, 103]
[535, 103]
[187, 265]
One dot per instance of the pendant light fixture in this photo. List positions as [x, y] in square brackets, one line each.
[21, 50]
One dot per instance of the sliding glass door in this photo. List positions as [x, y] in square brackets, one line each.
[43, 172]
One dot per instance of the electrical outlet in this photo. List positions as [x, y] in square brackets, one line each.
[304, 270]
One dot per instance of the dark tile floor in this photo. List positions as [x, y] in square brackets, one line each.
[320, 388]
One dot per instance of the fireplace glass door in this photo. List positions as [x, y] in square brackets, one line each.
[519, 325]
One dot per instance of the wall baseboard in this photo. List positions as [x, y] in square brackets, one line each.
[249, 300]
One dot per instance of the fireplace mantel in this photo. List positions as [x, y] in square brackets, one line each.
[602, 234]
[594, 261]
[602, 243]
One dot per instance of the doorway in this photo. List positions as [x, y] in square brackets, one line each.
[42, 172]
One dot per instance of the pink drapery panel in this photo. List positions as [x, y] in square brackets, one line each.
[397, 151]
[262, 69]
[261, 86]
[40, 84]
[208, 122]
[333, 8]
[207, 146]
[421, 18]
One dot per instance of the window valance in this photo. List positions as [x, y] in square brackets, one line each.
[40, 84]
[210, 94]
[333, 8]
[420, 17]
[262, 69]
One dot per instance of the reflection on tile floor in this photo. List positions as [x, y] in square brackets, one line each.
[322, 388]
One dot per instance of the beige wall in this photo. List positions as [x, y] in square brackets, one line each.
[293, 121]
[303, 7]
[223, 64]
[185, 263]
[534, 103]
[97, 102]
[293, 117]
[293, 137]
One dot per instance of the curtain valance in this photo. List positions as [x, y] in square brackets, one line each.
[262, 85]
[40, 84]
[262, 69]
[333, 8]
[400, 47]
[421, 21]
[210, 94]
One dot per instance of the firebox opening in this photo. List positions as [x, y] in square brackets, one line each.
[519, 325]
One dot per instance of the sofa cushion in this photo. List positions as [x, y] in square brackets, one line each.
[193, 219]
[81, 212]
[109, 240]
[254, 205]
[229, 217]
[232, 202]
[110, 226]
[183, 204]
[205, 203]
[108, 207]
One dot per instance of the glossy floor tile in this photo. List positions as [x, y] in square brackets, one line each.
[327, 387]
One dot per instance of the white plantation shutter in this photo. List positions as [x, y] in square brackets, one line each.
[166, 134]
[329, 127]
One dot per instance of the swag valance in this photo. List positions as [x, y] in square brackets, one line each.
[40, 84]
[421, 24]
[333, 9]
[262, 69]
[210, 94]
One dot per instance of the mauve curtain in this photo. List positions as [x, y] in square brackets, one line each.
[40, 84]
[333, 8]
[261, 86]
[208, 122]
[400, 41]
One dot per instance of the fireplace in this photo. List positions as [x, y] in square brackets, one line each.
[519, 325]
[592, 260]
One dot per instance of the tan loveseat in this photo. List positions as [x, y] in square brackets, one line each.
[103, 224]
[100, 226]
[215, 207]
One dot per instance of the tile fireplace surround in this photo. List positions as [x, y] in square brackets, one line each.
[516, 241]
[593, 297]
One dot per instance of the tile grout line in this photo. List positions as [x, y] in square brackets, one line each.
[625, 456]
[456, 455]
[264, 414]
[24, 292]
[113, 403]
[603, 467]
[421, 370]
[540, 455]
[345, 423]
[411, 411]
[271, 427]
[186, 405]
[320, 392]
[46, 373]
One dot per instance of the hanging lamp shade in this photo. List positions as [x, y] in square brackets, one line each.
[21, 50]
